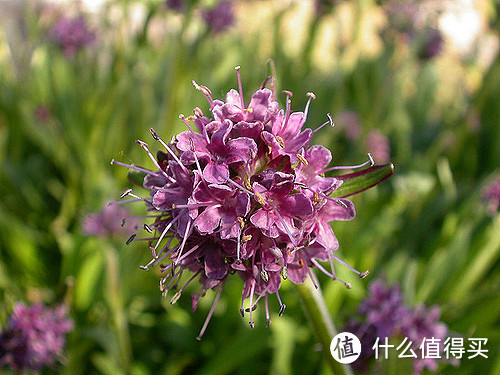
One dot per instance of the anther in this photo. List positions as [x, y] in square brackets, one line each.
[311, 95]
[284, 273]
[264, 275]
[198, 112]
[348, 285]
[260, 199]
[282, 310]
[154, 134]
[287, 93]
[131, 238]
[242, 222]
[125, 193]
[148, 228]
[246, 182]
[280, 141]
[302, 159]
[176, 297]
[364, 274]
[246, 238]
[253, 308]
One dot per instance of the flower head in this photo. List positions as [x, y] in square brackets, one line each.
[349, 121]
[432, 43]
[491, 195]
[419, 324]
[34, 337]
[111, 220]
[378, 145]
[383, 307]
[385, 314]
[71, 34]
[246, 193]
[220, 17]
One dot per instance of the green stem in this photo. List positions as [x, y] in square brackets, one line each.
[321, 322]
[115, 300]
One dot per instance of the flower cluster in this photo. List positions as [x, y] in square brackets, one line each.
[386, 315]
[244, 194]
[34, 337]
[111, 220]
[410, 20]
[491, 195]
[220, 17]
[71, 34]
[378, 145]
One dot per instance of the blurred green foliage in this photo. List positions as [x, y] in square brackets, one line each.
[426, 228]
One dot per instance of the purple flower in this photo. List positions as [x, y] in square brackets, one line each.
[43, 114]
[491, 196]
[367, 335]
[383, 307]
[378, 145]
[419, 324]
[220, 17]
[71, 34]
[385, 314]
[111, 220]
[34, 337]
[349, 121]
[432, 42]
[246, 193]
[176, 5]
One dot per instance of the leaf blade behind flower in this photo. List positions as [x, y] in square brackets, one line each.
[357, 182]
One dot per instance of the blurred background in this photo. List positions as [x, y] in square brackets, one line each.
[413, 82]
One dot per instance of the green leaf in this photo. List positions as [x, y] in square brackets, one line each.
[357, 182]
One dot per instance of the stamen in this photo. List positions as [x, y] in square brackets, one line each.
[306, 110]
[351, 268]
[148, 228]
[369, 161]
[238, 246]
[241, 222]
[288, 232]
[176, 158]
[282, 305]
[284, 273]
[252, 324]
[131, 238]
[177, 295]
[280, 141]
[155, 162]
[211, 312]
[264, 275]
[330, 121]
[205, 91]
[193, 150]
[240, 86]
[268, 317]
[198, 112]
[125, 193]
[134, 167]
[266, 81]
[238, 185]
[186, 235]
[310, 274]
[260, 199]
[183, 118]
[190, 251]
[246, 238]
[167, 228]
[302, 159]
